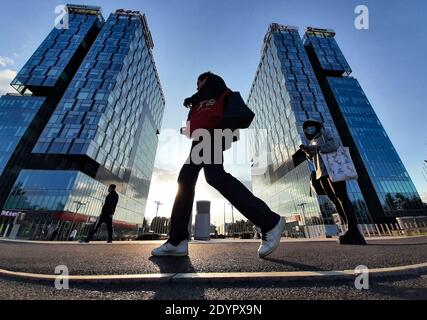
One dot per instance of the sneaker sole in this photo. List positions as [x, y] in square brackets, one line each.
[282, 228]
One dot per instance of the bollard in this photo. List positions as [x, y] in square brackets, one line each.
[203, 221]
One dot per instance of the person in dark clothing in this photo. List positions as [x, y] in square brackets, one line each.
[323, 141]
[54, 234]
[107, 213]
[211, 86]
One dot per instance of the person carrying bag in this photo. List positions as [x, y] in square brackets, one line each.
[208, 114]
[333, 167]
[339, 165]
[226, 111]
[232, 113]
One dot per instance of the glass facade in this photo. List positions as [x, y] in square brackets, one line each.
[285, 93]
[112, 94]
[384, 182]
[102, 128]
[329, 55]
[16, 115]
[46, 76]
[50, 65]
[113, 108]
[290, 197]
[391, 181]
[60, 190]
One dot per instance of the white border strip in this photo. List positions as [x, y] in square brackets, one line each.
[227, 276]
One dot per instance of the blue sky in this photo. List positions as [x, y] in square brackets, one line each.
[225, 36]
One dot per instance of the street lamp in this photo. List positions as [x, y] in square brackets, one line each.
[225, 223]
[232, 218]
[79, 205]
[158, 203]
[302, 205]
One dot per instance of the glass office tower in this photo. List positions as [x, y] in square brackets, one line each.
[284, 94]
[289, 89]
[46, 75]
[383, 179]
[103, 130]
[51, 67]
[16, 115]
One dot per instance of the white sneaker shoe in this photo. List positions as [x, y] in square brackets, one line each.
[271, 240]
[169, 250]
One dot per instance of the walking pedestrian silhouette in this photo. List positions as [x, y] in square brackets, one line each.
[211, 87]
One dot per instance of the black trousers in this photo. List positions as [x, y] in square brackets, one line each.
[108, 222]
[232, 189]
[337, 193]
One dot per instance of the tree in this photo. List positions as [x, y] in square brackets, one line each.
[161, 225]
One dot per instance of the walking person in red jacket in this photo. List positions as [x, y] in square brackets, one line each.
[211, 87]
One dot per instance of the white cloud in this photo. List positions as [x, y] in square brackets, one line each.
[6, 61]
[6, 76]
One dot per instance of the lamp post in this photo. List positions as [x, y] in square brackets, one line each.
[78, 204]
[302, 205]
[232, 218]
[158, 203]
[225, 222]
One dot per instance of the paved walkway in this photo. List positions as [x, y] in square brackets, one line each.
[214, 257]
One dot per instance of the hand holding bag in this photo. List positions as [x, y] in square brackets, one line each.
[339, 165]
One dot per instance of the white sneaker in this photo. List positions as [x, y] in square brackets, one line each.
[271, 240]
[169, 250]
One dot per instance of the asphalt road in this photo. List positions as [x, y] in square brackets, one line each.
[97, 259]
[407, 288]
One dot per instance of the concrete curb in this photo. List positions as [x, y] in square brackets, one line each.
[415, 269]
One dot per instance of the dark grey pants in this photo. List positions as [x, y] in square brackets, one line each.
[232, 189]
[108, 222]
[337, 193]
